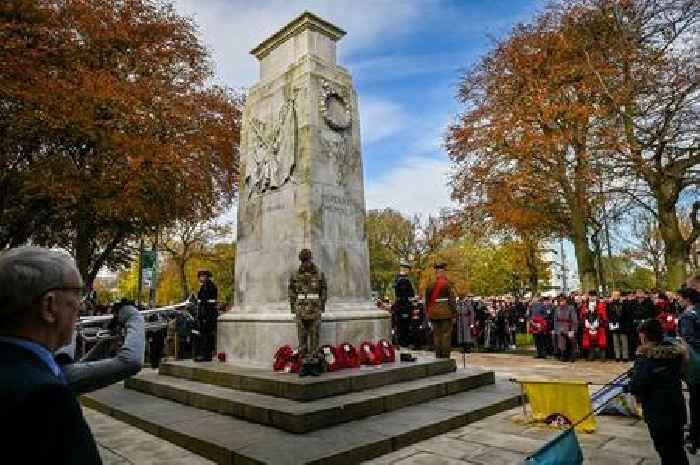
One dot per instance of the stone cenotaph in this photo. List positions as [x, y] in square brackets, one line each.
[301, 186]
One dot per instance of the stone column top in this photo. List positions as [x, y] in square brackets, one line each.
[303, 22]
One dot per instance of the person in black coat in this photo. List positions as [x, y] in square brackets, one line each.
[643, 306]
[620, 323]
[520, 311]
[501, 326]
[403, 305]
[689, 331]
[207, 316]
[656, 383]
[156, 344]
[42, 422]
[642, 309]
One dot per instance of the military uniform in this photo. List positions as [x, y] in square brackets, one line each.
[442, 309]
[207, 316]
[307, 299]
[402, 309]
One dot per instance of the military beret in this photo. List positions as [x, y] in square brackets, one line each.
[440, 265]
[305, 255]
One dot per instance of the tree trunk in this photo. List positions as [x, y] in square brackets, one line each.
[83, 249]
[183, 279]
[577, 200]
[658, 276]
[598, 260]
[99, 262]
[533, 280]
[676, 248]
[531, 265]
[584, 255]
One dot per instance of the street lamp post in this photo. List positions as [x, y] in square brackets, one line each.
[140, 285]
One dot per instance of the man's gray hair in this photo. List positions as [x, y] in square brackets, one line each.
[26, 273]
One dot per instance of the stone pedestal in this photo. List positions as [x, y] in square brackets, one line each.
[301, 187]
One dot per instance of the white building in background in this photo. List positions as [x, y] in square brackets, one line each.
[559, 256]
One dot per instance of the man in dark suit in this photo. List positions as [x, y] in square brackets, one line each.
[42, 421]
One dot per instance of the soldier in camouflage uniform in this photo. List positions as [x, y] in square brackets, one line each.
[307, 298]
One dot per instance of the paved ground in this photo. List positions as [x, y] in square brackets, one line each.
[496, 440]
[123, 444]
[518, 366]
[503, 441]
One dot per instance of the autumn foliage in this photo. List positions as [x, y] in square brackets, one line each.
[592, 101]
[110, 126]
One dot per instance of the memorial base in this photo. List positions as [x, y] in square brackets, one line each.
[251, 339]
[232, 415]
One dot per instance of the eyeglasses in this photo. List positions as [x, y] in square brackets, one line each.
[63, 288]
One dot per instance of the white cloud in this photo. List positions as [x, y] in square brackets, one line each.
[380, 119]
[232, 28]
[417, 185]
[399, 66]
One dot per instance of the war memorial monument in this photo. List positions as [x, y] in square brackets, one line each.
[301, 188]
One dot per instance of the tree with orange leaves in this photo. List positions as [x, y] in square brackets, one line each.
[109, 125]
[643, 59]
[521, 148]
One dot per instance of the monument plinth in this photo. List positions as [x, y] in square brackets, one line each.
[301, 187]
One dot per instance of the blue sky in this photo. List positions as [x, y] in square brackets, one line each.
[405, 58]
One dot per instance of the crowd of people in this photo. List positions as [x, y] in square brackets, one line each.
[567, 327]
[574, 325]
[659, 331]
[41, 294]
[481, 324]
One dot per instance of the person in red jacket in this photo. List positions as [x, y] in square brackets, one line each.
[594, 315]
[666, 315]
[442, 309]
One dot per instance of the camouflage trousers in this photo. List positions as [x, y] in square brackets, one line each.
[309, 337]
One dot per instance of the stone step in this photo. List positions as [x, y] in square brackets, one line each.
[291, 386]
[301, 417]
[227, 440]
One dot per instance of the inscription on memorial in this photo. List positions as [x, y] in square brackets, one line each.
[337, 204]
[273, 204]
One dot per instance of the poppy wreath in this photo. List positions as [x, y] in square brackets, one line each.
[351, 359]
[282, 356]
[388, 352]
[370, 354]
[286, 359]
[332, 356]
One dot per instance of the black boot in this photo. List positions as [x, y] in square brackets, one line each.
[305, 370]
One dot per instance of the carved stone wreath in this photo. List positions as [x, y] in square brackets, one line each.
[335, 108]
